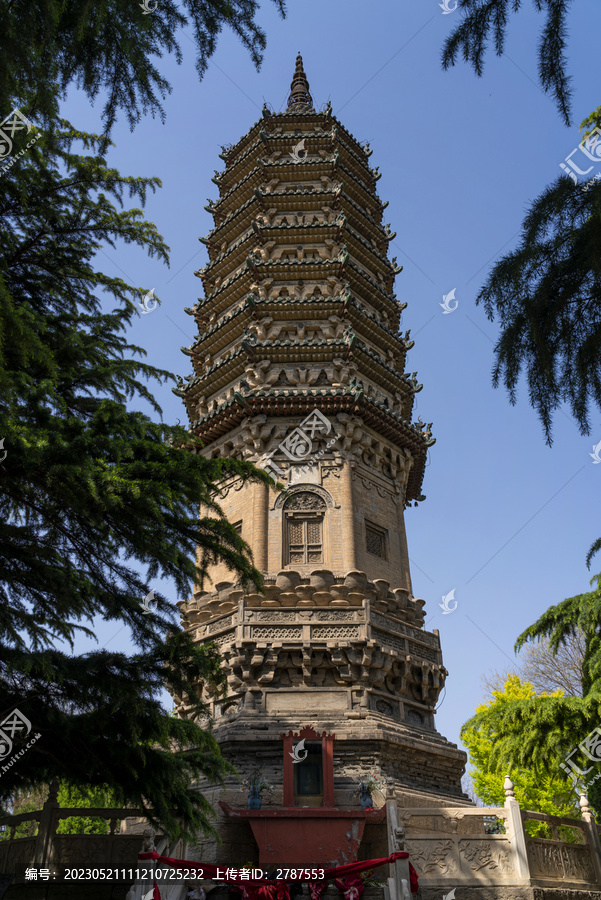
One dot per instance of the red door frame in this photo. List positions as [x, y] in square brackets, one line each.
[327, 753]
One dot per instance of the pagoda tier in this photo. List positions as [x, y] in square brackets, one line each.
[299, 367]
[299, 311]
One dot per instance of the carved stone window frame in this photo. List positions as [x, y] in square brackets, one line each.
[302, 488]
[282, 500]
[303, 515]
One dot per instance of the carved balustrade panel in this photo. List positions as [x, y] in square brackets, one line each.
[453, 846]
[16, 853]
[219, 624]
[486, 856]
[433, 858]
[485, 859]
[93, 851]
[560, 861]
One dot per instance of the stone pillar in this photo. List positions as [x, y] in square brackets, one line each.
[260, 530]
[44, 854]
[517, 835]
[348, 518]
[143, 888]
[406, 570]
[398, 884]
[592, 836]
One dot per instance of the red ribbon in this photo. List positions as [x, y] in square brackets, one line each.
[263, 891]
[351, 887]
[316, 889]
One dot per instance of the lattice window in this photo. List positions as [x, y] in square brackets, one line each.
[375, 540]
[305, 541]
[238, 526]
[303, 516]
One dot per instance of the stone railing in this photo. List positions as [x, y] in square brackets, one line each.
[47, 849]
[572, 863]
[452, 847]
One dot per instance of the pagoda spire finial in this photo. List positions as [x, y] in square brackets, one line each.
[299, 88]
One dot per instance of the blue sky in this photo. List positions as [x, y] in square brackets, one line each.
[508, 520]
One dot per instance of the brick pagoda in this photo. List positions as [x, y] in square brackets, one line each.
[299, 367]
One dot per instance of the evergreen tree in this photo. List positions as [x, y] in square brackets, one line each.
[90, 487]
[486, 20]
[110, 49]
[546, 295]
[542, 732]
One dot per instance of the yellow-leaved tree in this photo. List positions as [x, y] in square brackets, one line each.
[536, 791]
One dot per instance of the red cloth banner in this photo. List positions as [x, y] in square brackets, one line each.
[263, 890]
[351, 887]
[316, 889]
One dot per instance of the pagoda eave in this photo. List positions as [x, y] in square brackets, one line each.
[303, 200]
[401, 434]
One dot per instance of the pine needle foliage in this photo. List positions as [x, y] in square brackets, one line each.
[546, 295]
[93, 492]
[110, 48]
[592, 121]
[485, 21]
[559, 623]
